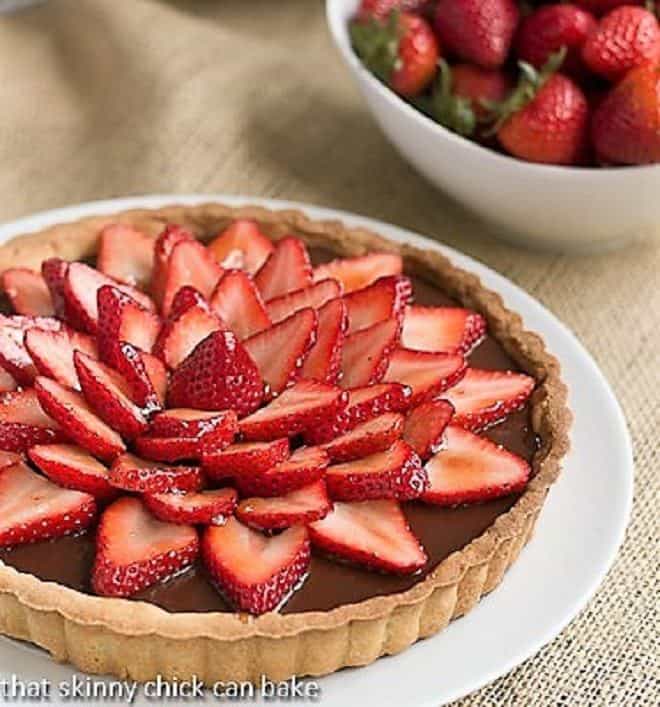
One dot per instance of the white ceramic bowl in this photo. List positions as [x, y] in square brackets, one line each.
[542, 206]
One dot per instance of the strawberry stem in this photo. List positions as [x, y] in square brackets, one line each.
[377, 44]
[454, 112]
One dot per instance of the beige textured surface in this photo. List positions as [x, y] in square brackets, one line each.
[102, 99]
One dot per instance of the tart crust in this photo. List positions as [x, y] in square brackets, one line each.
[140, 641]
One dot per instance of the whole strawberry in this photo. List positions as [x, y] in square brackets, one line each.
[403, 51]
[626, 37]
[477, 31]
[381, 9]
[626, 124]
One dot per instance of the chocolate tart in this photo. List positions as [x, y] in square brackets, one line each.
[341, 617]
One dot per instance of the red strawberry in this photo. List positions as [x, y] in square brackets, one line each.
[171, 236]
[172, 449]
[287, 269]
[366, 354]
[52, 353]
[298, 409]
[356, 273]
[299, 507]
[135, 551]
[244, 457]
[381, 9]
[71, 467]
[126, 254]
[384, 299]
[53, 271]
[425, 426]
[14, 357]
[374, 534]
[243, 241]
[77, 420]
[256, 573]
[201, 508]
[145, 376]
[7, 382]
[483, 398]
[9, 458]
[323, 361]
[402, 51]
[442, 329]
[428, 374]
[184, 422]
[394, 473]
[367, 438]
[28, 293]
[186, 298]
[470, 469]
[237, 302]
[314, 296]
[478, 31]
[626, 125]
[625, 38]
[23, 422]
[218, 374]
[280, 351]
[131, 473]
[33, 508]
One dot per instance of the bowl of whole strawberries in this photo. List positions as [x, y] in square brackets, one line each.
[543, 118]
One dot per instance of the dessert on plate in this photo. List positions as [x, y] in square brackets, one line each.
[239, 443]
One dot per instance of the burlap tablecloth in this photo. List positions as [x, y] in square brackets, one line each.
[102, 99]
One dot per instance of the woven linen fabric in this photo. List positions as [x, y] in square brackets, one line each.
[111, 98]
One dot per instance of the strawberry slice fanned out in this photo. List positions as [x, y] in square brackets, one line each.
[356, 273]
[145, 376]
[242, 245]
[185, 422]
[288, 268]
[171, 449]
[483, 398]
[134, 550]
[170, 237]
[470, 469]
[27, 291]
[373, 534]
[394, 473]
[14, 356]
[314, 296]
[53, 271]
[299, 507]
[52, 353]
[126, 255]
[236, 300]
[323, 361]
[280, 350]
[256, 573]
[366, 354]
[298, 409]
[375, 435]
[245, 457]
[384, 299]
[442, 329]
[131, 473]
[23, 422]
[33, 508]
[201, 508]
[72, 467]
[427, 374]
[425, 426]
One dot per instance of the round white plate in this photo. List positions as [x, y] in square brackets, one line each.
[577, 537]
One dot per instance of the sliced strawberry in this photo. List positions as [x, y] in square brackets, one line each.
[126, 255]
[483, 398]
[442, 329]
[298, 409]
[323, 361]
[134, 550]
[366, 354]
[72, 467]
[14, 357]
[171, 449]
[304, 466]
[256, 573]
[217, 375]
[244, 457]
[184, 422]
[53, 271]
[27, 291]
[186, 298]
[470, 469]
[374, 534]
[131, 473]
[375, 435]
[23, 422]
[425, 426]
[280, 350]
[241, 242]
[108, 393]
[77, 420]
[288, 268]
[384, 299]
[314, 296]
[299, 507]
[236, 300]
[428, 374]
[33, 508]
[165, 243]
[24, 323]
[144, 374]
[395, 473]
[356, 273]
[52, 353]
[7, 381]
[201, 508]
